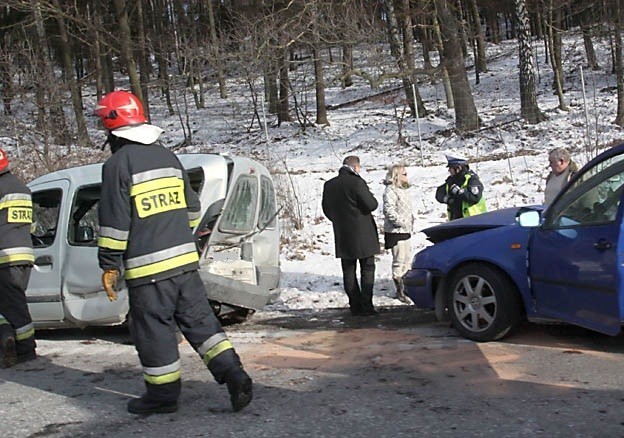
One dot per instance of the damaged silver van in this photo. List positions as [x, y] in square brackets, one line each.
[238, 238]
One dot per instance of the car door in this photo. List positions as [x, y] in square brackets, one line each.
[44, 288]
[84, 299]
[574, 260]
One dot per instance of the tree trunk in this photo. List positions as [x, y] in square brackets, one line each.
[491, 17]
[528, 94]
[448, 90]
[481, 61]
[347, 65]
[270, 84]
[321, 109]
[554, 39]
[466, 116]
[619, 72]
[144, 64]
[214, 41]
[283, 113]
[398, 53]
[586, 30]
[74, 88]
[50, 114]
[125, 45]
[161, 54]
[408, 46]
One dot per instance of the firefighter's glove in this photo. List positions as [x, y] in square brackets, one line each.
[455, 190]
[109, 281]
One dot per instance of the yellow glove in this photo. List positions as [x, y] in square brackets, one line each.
[109, 281]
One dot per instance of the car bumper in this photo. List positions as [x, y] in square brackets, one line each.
[419, 287]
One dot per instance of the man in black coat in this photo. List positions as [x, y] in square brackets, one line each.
[348, 203]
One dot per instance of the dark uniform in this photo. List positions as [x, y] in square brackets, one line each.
[467, 199]
[16, 259]
[146, 212]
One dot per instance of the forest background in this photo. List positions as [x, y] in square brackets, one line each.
[298, 85]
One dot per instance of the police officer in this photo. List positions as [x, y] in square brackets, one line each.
[17, 332]
[146, 212]
[462, 191]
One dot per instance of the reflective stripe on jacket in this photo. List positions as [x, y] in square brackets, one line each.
[16, 214]
[467, 208]
[146, 209]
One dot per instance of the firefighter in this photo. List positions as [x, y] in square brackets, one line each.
[17, 332]
[462, 192]
[146, 212]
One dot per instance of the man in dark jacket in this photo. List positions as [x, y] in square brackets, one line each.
[17, 332]
[146, 212]
[348, 203]
[462, 191]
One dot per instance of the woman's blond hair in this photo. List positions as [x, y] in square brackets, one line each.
[394, 174]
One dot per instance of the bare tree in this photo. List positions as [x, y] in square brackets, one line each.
[72, 82]
[528, 94]
[125, 47]
[466, 116]
[398, 51]
[619, 70]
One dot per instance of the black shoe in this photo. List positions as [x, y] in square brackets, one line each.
[240, 388]
[145, 406]
[370, 312]
[26, 357]
[8, 355]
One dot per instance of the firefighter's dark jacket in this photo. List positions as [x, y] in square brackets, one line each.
[15, 221]
[146, 212]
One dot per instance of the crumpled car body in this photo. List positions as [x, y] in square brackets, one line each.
[486, 273]
[238, 237]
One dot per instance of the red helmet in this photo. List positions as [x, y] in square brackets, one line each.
[4, 161]
[120, 108]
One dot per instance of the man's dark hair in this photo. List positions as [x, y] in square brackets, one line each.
[351, 160]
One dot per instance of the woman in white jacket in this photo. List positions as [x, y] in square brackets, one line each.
[398, 224]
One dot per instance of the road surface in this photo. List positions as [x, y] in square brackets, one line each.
[328, 374]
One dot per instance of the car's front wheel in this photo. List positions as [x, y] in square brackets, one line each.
[483, 303]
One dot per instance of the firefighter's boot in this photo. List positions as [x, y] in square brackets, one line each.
[159, 399]
[240, 388]
[146, 406]
[8, 354]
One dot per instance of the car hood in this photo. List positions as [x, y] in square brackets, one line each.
[473, 224]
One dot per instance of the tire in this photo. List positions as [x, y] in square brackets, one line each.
[483, 303]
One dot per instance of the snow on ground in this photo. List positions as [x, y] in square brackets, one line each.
[509, 155]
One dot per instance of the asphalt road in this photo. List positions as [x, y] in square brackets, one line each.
[326, 374]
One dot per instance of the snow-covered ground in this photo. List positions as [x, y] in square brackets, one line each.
[509, 155]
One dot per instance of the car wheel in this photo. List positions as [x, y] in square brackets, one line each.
[483, 303]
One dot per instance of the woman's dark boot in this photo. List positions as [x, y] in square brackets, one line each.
[400, 290]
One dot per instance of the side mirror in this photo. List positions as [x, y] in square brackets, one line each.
[529, 219]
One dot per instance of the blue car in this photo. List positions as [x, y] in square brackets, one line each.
[491, 271]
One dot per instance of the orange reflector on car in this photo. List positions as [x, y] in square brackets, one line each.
[516, 246]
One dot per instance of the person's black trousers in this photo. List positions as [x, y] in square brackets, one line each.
[14, 307]
[360, 295]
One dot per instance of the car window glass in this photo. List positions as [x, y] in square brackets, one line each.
[239, 213]
[593, 201]
[610, 162]
[196, 178]
[267, 204]
[46, 206]
[84, 220]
